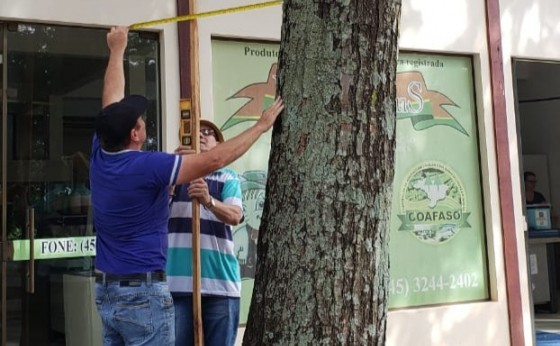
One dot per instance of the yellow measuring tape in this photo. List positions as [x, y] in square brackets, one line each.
[204, 14]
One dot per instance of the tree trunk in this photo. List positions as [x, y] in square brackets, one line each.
[322, 265]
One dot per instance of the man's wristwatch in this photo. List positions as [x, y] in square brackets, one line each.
[210, 204]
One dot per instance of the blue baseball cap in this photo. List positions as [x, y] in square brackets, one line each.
[114, 122]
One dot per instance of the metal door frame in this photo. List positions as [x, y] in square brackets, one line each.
[3, 114]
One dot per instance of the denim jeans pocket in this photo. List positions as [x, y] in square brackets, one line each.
[133, 316]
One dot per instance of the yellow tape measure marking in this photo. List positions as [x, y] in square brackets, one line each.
[204, 14]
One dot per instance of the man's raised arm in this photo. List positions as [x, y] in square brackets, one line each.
[113, 84]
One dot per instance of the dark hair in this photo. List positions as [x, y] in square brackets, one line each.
[114, 122]
[528, 174]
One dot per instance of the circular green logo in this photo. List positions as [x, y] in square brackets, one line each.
[433, 203]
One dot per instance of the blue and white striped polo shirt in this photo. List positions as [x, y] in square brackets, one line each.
[220, 275]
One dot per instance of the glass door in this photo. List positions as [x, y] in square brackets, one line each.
[53, 79]
[52, 93]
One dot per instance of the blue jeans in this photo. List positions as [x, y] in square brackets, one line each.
[136, 315]
[220, 320]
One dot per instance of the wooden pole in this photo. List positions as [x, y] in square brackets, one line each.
[195, 125]
[189, 132]
[505, 174]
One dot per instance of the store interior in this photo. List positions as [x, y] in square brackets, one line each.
[538, 103]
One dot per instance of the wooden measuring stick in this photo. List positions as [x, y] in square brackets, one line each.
[190, 135]
[189, 130]
[195, 126]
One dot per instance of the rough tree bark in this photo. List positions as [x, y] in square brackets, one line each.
[322, 255]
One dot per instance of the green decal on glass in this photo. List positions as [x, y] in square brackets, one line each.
[433, 203]
[437, 244]
[244, 85]
[50, 248]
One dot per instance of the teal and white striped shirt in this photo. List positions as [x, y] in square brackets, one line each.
[220, 275]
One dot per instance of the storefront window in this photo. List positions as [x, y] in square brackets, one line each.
[438, 239]
[437, 244]
[54, 80]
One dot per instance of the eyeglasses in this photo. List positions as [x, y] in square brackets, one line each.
[207, 132]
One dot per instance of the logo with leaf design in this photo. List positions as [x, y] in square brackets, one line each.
[260, 95]
[433, 203]
[424, 107]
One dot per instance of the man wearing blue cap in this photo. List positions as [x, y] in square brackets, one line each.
[130, 206]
